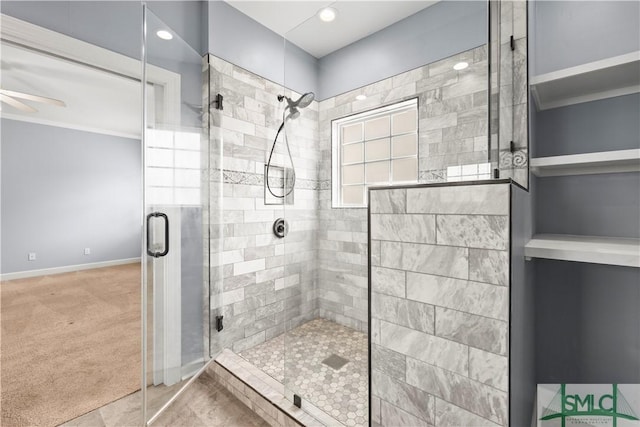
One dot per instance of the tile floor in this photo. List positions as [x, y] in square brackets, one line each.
[341, 393]
[205, 403]
[126, 411]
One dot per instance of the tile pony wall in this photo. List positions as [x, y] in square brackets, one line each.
[440, 295]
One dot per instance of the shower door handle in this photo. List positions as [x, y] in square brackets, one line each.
[166, 234]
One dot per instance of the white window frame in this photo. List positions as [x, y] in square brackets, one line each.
[336, 149]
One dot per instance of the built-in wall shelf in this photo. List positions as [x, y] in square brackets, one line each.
[602, 79]
[591, 249]
[588, 163]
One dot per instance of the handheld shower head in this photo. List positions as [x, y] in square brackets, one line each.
[305, 100]
[293, 106]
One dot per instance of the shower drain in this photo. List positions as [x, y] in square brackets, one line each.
[336, 362]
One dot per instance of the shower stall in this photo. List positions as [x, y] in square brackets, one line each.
[303, 289]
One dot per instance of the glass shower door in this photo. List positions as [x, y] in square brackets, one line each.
[176, 201]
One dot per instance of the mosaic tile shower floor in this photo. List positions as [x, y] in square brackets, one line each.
[341, 393]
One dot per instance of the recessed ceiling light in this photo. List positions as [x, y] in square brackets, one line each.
[460, 66]
[361, 97]
[327, 14]
[164, 34]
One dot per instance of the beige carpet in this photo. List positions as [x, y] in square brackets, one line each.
[70, 344]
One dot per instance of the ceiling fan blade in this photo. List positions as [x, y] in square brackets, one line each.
[17, 104]
[35, 98]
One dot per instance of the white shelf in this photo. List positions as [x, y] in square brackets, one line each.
[597, 250]
[607, 78]
[589, 163]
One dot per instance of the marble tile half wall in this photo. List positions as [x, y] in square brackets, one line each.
[440, 305]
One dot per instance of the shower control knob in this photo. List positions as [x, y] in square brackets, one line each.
[280, 227]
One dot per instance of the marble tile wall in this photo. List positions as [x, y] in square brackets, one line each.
[452, 131]
[259, 283]
[440, 305]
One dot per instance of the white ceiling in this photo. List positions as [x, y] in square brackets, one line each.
[298, 23]
[97, 100]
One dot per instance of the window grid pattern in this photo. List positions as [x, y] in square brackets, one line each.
[379, 147]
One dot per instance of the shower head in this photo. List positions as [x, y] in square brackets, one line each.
[305, 100]
[301, 102]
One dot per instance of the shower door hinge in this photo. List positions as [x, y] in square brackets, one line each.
[512, 146]
[297, 401]
[496, 173]
[217, 102]
[219, 325]
[512, 43]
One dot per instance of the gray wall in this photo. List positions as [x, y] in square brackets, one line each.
[442, 30]
[608, 124]
[522, 327]
[587, 323]
[435, 33]
[586, 314]
[65, 190]
[114, 25]
[238, 39]
[595, 205]
[570, 33]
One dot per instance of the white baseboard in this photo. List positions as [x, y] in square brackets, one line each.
[66, 269]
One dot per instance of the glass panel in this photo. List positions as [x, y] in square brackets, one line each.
[509, 102]
[176, 195]
[378, 149]
[353, 174]
[405, 169]
[352, 133]
[377, 172]
[376, 128]
[405, 145]
[352, 153]
[404, 122]
[353, 195]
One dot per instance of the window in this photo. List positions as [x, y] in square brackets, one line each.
[378, 147]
